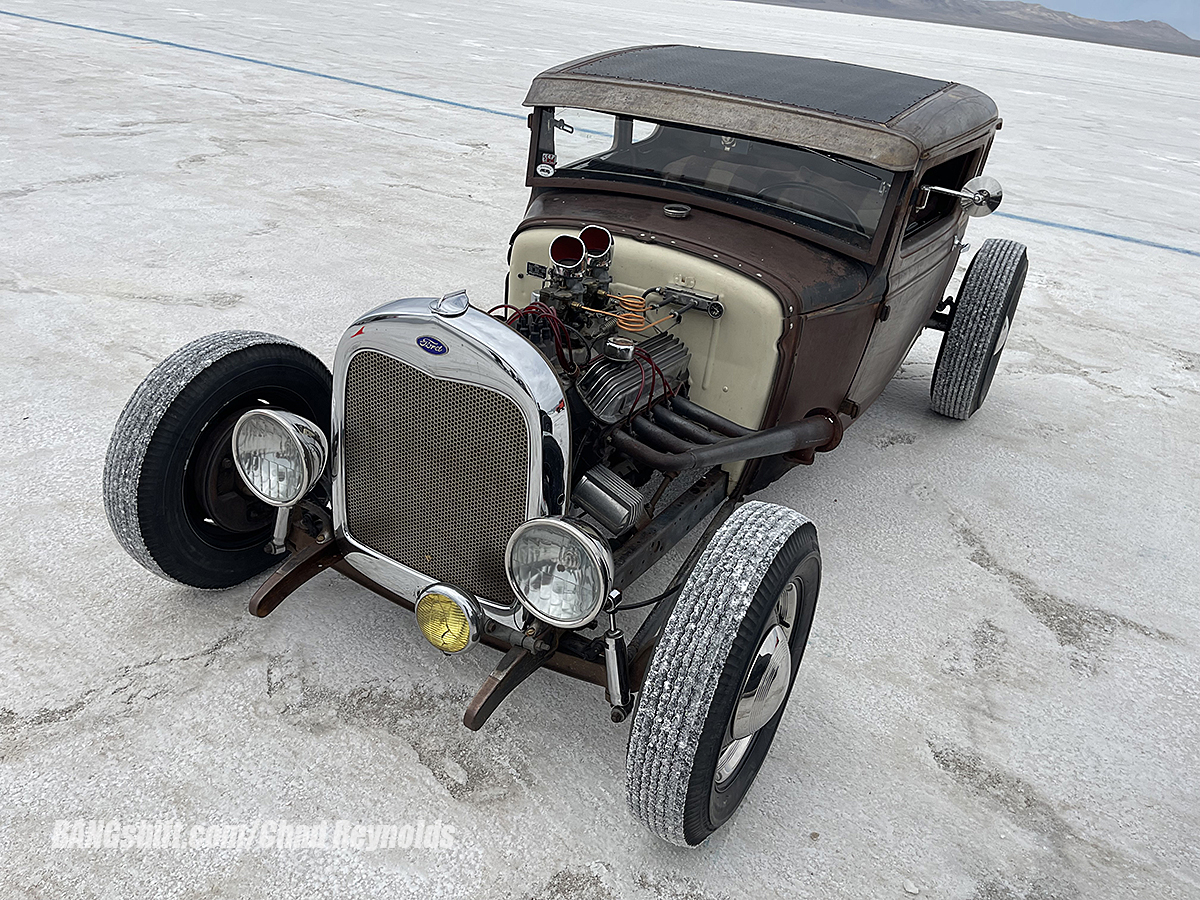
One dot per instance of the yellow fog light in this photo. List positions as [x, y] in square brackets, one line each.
[449, 619]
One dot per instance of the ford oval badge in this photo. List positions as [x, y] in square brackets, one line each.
[431, 345]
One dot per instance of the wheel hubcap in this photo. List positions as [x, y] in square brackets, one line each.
[766, 684]
[1000, 341]
[765, 687]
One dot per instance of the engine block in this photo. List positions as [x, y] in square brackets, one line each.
[610, 388]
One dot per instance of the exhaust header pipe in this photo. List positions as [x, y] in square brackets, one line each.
[819, 432]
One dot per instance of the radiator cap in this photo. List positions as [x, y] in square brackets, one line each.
[453, 304]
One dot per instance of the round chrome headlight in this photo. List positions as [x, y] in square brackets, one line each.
[279, 455]
[561, 571]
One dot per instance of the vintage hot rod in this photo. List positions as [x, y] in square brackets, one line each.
[725, 258]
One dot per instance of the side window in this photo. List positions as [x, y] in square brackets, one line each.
[579, 134]
[931, 210]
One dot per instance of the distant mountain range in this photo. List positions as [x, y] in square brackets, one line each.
[1023, 18]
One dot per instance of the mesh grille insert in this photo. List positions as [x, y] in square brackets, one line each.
[436, 472]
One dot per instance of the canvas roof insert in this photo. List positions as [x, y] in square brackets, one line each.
[874, 95]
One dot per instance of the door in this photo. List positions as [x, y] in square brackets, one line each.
[919, 274]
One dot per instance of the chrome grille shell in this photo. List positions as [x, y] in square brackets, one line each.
[429, 490]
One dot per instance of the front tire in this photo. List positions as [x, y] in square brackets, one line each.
[979, 328]
[173, 497]
[698, 739]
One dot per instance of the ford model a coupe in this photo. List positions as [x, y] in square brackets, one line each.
[725, 258]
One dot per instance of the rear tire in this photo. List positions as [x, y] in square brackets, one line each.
[979, 328]
[687, 768]
[173, 498]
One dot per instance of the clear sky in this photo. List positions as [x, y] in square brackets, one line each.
[1181, 14]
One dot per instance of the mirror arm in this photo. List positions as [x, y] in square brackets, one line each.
[977, 198]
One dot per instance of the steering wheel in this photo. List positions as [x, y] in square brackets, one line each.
[834, 204]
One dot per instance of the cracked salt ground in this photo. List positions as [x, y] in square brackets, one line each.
[999, 698]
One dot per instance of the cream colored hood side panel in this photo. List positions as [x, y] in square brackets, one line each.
[733, 358]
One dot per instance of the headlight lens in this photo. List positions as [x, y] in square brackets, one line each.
[562, 571]
[450, 620]
[279, 455]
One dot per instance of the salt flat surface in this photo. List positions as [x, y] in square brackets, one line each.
[1000, 697]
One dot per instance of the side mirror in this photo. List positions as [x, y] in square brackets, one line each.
[979, 197]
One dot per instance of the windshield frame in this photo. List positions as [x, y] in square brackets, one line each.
[541, 123]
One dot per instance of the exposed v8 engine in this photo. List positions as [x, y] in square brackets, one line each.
[615, 350]
[612, 387]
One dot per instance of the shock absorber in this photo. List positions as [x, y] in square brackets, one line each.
[616, 666]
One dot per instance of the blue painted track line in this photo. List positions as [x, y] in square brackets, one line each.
[1103, 234]
[507, 115]
[271, 65]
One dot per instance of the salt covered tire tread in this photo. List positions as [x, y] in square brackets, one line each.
[667, 779]
[986, 301]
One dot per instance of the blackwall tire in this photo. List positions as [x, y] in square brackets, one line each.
[680, 780]
[173, 499]
[979, 328]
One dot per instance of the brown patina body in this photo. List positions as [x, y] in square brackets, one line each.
[852, 312]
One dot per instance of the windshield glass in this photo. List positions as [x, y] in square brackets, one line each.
[838, 197]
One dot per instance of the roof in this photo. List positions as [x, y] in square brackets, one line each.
[889, 118]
